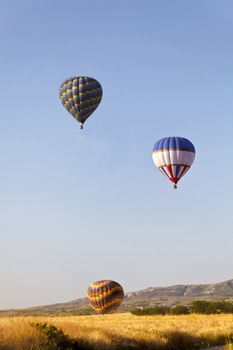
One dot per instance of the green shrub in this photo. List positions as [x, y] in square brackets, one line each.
[155, 310]
[53, 338]
[180, 310]
[198, 307]
[211, 307]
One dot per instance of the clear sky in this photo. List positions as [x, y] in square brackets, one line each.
[79, 206]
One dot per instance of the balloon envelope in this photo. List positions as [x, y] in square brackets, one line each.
[105, 296]
[173, 156]
[81, 96]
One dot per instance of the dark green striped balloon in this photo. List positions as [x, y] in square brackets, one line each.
[81, 96]
[105, 296]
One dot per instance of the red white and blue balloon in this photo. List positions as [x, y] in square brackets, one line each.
[173, 156]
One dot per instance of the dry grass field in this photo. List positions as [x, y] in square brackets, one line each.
[120, 331]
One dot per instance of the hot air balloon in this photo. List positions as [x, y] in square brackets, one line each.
[173, 156]
[81, 96]
[105, 296]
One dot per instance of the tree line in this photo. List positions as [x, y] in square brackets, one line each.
[197, 307]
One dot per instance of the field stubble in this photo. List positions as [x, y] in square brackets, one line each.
[119, 331]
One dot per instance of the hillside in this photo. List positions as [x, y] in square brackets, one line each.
[172, 295]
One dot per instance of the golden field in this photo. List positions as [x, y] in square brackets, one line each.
[119, 331]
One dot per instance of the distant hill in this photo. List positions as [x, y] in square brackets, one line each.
[170, 296]
[180, 294]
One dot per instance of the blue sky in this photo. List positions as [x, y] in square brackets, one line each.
[79, 206]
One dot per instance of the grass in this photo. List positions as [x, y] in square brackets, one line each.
[119, 331]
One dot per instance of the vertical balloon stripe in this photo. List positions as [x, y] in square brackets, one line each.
[180, 171]
[177, 170]
[162, 171]
[174, 170]
[184, 172]
[165, 171]
[169, 170]
[75, 93]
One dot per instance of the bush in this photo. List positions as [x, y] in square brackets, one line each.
[155, 310]
[198, 307]
[180, 310]
[211, 307]
[53, 338]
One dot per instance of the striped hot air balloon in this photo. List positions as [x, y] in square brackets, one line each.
[173, 156]
[105, 296]
[81, 96]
